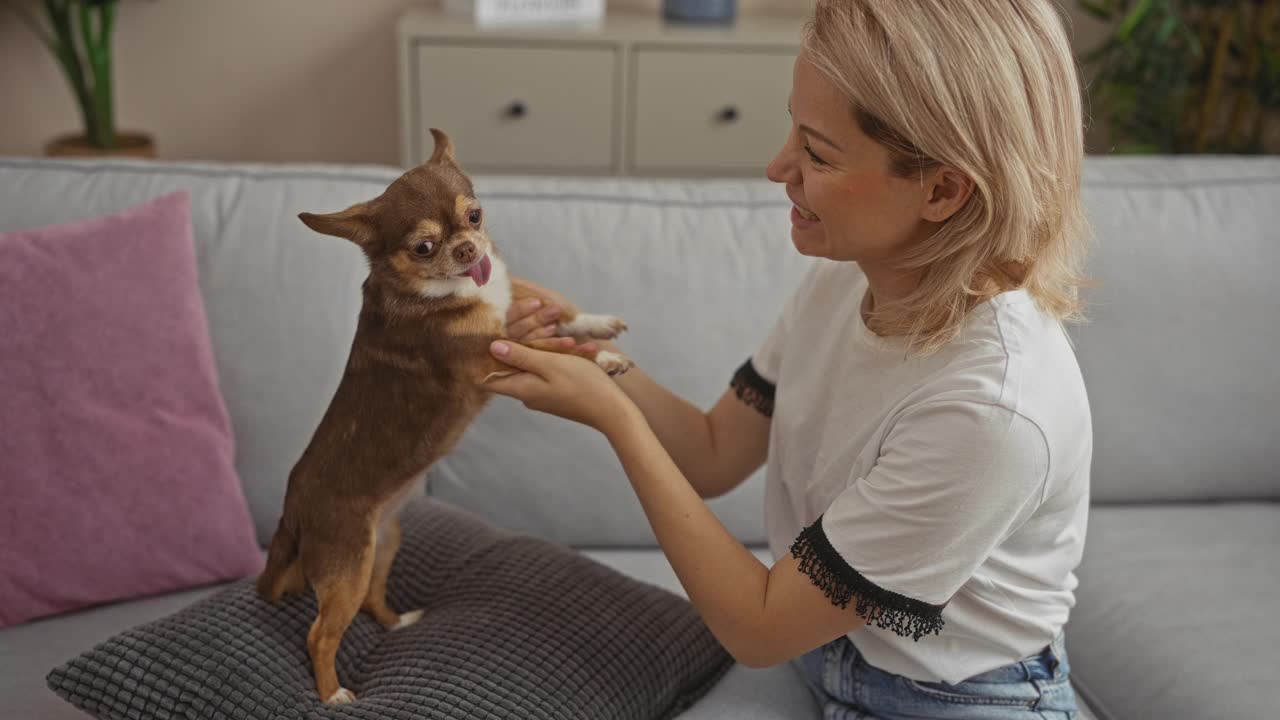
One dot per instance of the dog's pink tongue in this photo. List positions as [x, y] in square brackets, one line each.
[480, 271]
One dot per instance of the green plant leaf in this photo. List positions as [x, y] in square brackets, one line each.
[1193, 41]
[1166, 28]
[1134, 17]
[1100, 9]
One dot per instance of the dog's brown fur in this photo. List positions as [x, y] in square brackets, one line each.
[412, 384]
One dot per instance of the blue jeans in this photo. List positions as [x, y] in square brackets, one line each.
[848, 688]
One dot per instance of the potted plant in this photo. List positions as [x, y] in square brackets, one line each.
[1187, 76]
[78, 33]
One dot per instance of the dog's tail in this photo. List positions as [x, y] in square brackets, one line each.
[282, 573]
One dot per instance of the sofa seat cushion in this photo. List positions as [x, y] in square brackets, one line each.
[28, 652]
[1176, 611]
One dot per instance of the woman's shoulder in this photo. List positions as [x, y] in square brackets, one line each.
[1014, 356]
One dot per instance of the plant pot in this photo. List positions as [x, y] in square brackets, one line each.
[128, 144]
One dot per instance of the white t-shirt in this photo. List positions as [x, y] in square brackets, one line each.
[909, 482]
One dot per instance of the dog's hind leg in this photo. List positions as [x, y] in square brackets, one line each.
[341, 583]
[375, 602]
[280, 574]
[292, 581]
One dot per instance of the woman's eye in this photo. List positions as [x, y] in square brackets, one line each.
[423, 248]
[475, 216]
[814, 156]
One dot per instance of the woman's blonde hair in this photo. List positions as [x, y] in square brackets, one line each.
[990, 88]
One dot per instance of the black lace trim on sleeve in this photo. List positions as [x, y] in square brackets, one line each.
[904, 616]
[753, 389]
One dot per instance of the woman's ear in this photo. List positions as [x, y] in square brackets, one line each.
[949, 190]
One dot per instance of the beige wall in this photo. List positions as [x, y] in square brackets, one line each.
[262, 80]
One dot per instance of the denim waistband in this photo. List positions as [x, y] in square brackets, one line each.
[1047, 664]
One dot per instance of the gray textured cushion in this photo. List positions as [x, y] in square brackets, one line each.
[1176, 612]
[515, 627]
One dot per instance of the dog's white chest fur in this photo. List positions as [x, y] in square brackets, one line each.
[496, 293]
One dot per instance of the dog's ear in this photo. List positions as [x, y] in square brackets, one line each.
[443, 152]
[355, 223]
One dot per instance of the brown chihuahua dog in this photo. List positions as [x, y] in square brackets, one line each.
[436, 296]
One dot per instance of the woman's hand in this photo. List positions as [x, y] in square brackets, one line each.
[532, 319]
[565, 385]
[528, 319]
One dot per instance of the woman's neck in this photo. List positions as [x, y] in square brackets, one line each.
[885, 285]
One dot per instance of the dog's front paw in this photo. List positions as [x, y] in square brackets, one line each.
[614, 363]
[596, 327]
[407, 619]
[342, 697]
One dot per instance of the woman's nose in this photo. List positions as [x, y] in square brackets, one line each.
[783, 168]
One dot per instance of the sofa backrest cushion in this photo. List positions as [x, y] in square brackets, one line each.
[1179, 356]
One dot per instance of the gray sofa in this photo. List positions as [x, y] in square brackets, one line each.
[1176, 613]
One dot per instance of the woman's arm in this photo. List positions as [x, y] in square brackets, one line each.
[715, 450]
[762, 616]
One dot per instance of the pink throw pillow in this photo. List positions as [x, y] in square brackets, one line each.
[117, 475]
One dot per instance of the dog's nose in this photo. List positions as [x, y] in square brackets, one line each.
[465, 253]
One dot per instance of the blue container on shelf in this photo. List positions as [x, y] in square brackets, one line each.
[703, 11]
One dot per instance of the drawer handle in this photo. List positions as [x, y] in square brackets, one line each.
[517, 109]
[729, 114]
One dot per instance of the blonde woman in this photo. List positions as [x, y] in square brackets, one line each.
[919, 407]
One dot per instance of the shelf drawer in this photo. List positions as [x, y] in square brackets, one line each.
[708, 110]
[536, 109]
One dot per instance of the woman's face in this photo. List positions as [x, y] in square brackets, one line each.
[848, 206]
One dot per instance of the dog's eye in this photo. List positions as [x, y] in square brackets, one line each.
[423, 248]
[475, 216]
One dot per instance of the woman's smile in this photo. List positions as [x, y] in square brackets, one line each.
[803, 219]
